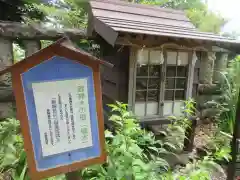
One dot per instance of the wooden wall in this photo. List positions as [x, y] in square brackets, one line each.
[115, 80]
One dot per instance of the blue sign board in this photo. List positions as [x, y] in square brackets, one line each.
[61, 108]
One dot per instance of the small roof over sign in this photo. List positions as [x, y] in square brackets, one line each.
[64, 42]
[110, 17]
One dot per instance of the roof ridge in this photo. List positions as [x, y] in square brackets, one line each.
[146, 6]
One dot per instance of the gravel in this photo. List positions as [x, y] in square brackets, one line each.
[200, 139]
[219, 176]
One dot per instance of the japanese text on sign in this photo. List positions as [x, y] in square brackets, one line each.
[63, 115]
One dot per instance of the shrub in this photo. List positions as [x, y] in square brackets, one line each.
[133, 153]
[231, 88]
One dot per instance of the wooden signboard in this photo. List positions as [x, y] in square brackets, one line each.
[59, 104]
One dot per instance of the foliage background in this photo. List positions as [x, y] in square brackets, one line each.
[133, 153]
[73, 13]
[231, 87]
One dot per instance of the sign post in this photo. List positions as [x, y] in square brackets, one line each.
[59, 105]
[73, 176]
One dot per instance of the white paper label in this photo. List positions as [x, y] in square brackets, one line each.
[63, 115]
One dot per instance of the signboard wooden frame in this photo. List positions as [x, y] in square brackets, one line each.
[71, 53]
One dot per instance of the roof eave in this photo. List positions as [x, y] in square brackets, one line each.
[105, 31]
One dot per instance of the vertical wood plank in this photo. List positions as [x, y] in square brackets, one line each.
[132, 78]
[175, 83]
[191, 68]
[190, 131]
[146, 102]
[162, 84]
[164, 79]
[123, 53]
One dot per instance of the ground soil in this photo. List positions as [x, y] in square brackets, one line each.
[203, 131]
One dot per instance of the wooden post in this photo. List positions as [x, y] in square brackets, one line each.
[193, 59]
[75, 175]
[236, 134]
[190, 133]
[132, 77]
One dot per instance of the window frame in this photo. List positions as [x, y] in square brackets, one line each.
[133, 79]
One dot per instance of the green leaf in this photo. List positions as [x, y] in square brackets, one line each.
[8, 159]
[23, 173]
[153, 148]
[140, 163]
[168, 144]
[22, 156]
[108, 134]
[11, 148]
[135, 149]
[115, 118]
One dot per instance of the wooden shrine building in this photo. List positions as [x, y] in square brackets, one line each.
[159, 57]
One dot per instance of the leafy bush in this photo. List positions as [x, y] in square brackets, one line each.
[197, 170]
[175, 133]
[231, 91]
[12, 154]
[13, 164]
[217, 141]
[219, 145]
[133, 153]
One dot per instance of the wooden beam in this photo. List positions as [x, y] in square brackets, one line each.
[140, 43]
[155, 42]
[13, 30]
[105, 31]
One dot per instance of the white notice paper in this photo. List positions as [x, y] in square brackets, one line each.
[63, 115]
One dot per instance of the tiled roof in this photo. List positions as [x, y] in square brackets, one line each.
[122, 16]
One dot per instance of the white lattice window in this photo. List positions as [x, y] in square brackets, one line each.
[158, 82]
